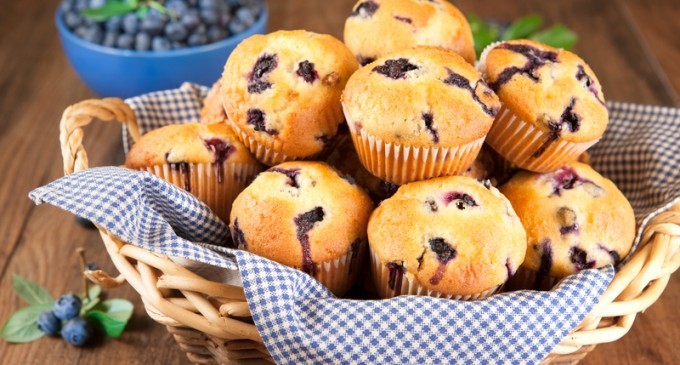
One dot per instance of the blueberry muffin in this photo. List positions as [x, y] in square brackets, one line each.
[418, 113]
[212, 110]
[281, 92]
[553, 107]
[401, 24]
[206, 160]
[452, 237]
[308, 216]
[575, 219]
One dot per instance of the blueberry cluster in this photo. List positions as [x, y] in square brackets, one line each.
[75, 330]
[176, 24]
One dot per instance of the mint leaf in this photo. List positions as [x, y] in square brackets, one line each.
[21, 326]
[522, 27]
[133, 3]
[92, 299]
[112, 315]
[156, 5]
[94, 291]
[112, 8]
[143, 11]
[482, 33]
[30, 291]
[558, 36]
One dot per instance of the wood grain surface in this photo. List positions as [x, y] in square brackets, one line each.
[632, 45]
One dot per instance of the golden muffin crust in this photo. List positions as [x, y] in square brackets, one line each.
[212, 110]
[379, 27]
[421, 97]
[285, 87]
[574, 218]
[190, 143]
[454, 234]
[551, 88]
[300, 214]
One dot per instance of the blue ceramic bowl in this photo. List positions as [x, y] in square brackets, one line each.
[125, 73]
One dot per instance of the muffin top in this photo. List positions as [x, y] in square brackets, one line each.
[379, 27]
[300, 214]
[551, 88]
[212, 110]
[188, 143]
[285, 87]
[575, 219]
[454, 234]
[422, 96]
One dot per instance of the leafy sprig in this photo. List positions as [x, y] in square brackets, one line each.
[485, 33]
[116, 8]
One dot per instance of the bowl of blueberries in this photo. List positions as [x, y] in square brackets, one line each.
[125, 48]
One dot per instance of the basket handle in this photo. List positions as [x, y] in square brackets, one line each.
[79, 115]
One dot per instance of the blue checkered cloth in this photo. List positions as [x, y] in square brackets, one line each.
[302, 322]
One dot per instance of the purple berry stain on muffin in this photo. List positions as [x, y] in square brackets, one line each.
[264, 65]
[356, 246]
[395, 69]
[568, 118]
[462, 200]
[292, 175]
[535, 59]
[445, 253]
[546, 261]
[307, 72]
[428, 119]
[580, 259]
[612, 253]
[304, 223]
[238, 237]
[566, 179]
[509, 268]
[221, 150]
[366, 9]
[395, 277]
[588, 82]
[462, 82]
[568, 221]
[256, 119]
[404, 19]
[365, 60]
[183, 169]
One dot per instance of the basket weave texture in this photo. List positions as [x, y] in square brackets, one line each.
[211, 321]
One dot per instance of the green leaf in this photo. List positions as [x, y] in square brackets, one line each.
[133, 3]
[522, 27]
[30, 291]
[557, 36]
[482, 33]
[94, 292]
[143, 11]
[22, 327]
[112, 8]
[112, 315]
[158, 6]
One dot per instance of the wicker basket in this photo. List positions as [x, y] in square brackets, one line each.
[211, 321]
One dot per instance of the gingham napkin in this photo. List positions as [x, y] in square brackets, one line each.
[301, 322]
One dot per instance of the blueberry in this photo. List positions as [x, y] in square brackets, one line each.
[197, 39]
[177, 7]
[67, 5]
[191, 19]
[176, 31]
[93, 34]
[72, 19]
[208, 4]
[153, 24]
[125, 41]
[161, 44]
[142, 41]
[76, 331]
[81, 5]
[130, 23]
[109, 41]
[49, 323]
[225, 17]
[114, 23]
[92, 266]
[80, 31]
[178, 45]
[246, 15]
[210, 16]
[67, 307]
[216, 33]
[94, 4]
[236, 26]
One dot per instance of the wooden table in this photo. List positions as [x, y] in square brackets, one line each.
[632, 45]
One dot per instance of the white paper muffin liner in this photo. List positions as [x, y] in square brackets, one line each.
[526, 279]
[481, 63]
[339, 275]
[203, 182]
[517, 141]
[410, 286]
[399, 164]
